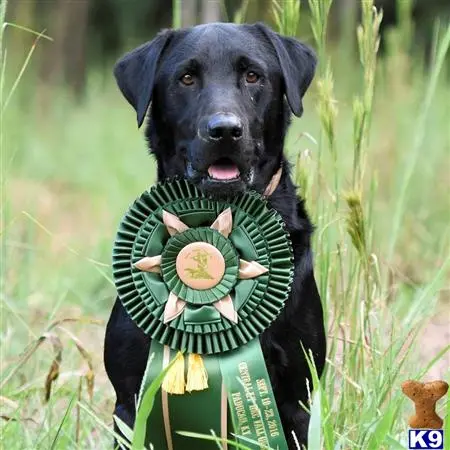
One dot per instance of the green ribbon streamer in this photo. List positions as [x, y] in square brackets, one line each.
[250, 397]
[252, 411]
[197, 412]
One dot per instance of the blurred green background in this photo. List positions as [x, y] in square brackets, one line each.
[73, 160]
[90, 34]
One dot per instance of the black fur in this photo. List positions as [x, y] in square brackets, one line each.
[218, 58]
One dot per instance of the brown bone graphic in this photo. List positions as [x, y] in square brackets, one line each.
[425, 396]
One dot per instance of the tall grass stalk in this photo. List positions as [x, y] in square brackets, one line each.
[356, 218]
[287, 16]
[240, 14]
[328, 112]
[368, 44]
[319, 24]
[327, 105]
[325, 242]
[2, 84]
[176, 14]
[405, 23]
[2, 167]
[418, 140]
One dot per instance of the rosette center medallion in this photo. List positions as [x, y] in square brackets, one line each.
[200, 265]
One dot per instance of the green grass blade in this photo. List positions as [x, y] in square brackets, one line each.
[433, 361]
[315, 424]
[383, 427]
[22, 71]
[28, 30]
[103, 425]
[145, 408]
[124, 428]
[58, 431]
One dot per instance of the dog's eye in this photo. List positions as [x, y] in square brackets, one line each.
[251, 77]
[187, 79]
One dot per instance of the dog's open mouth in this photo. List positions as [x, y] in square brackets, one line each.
[224, 170]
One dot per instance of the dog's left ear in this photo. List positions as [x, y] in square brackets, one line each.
[135, 73]
[298, 65]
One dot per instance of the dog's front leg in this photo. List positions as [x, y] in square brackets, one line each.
[125, 356]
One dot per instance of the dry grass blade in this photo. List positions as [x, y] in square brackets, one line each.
[26, 29]
[8, 402]
[31, 349]
[78, 421]
[96, 264]
[80, 320]
[22, 70]
[90, 374]
[53, 372]
[15, 419]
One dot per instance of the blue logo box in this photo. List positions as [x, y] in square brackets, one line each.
[426, 439]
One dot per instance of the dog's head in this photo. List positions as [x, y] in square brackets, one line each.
[217, 95]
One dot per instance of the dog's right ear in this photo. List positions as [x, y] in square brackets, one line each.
[135, 73]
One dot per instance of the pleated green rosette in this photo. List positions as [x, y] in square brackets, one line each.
[205, 277]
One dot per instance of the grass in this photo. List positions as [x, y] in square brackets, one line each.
[372, 160]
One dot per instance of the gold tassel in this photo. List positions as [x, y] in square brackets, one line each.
[174, 382]
[197, 376]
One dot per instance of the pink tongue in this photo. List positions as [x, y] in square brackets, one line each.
[223, 172]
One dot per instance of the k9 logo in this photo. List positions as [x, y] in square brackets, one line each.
[426, 439]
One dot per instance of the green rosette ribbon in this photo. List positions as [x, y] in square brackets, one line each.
[204, 278]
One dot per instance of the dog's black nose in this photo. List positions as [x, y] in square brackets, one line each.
[224, 126]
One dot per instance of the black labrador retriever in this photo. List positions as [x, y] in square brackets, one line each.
[218, 117]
